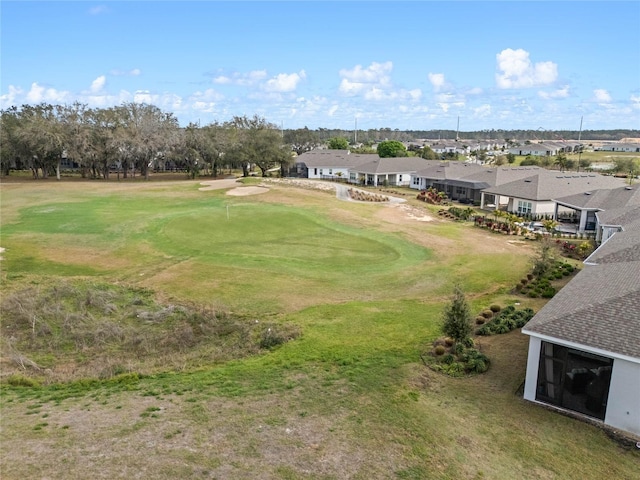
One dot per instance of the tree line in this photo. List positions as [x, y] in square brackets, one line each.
[133, 139]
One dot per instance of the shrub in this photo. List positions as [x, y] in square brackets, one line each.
[495, 308]
[509, 319]
[455, 369]
[448, 359]
[17, 380]
[487, 313]
[480, 320]
[477, 365]
[485, 330]
[468, 342]
[524, 281]
[274, 335]
[449, 341]
[458, 348]
[439, 350]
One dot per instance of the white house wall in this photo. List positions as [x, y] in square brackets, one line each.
[623, 405]
[537, 208]
[323, 172]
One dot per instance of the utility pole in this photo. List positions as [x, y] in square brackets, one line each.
[579, 144]
[355, 134]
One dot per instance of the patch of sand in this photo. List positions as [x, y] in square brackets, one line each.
[244, 191]
[218, 184]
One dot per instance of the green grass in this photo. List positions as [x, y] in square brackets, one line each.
[348, 398]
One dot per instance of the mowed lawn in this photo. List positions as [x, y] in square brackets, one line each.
[349, 398]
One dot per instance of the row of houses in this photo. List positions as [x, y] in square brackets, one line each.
[530, 191]
[537, 148]
[584, 344]
[619, 147]
[544, 149]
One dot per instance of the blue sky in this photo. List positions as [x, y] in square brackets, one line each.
[406, 65]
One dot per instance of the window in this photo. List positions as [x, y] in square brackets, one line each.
[331, 171]
[400, 178]
[461, 190]
[574, 379]
[315, 171]
[524, 207]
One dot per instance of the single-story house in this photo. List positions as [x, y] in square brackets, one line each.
[449, 146]
[363, 169]
[396, 171]
[328, 164]
[582, 208]
[534, 195]
[450, 178]
[619, 147]
[536, 149]
[584, 344]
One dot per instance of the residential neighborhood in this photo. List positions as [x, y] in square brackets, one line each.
[528, 191]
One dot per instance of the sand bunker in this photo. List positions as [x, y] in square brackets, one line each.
[244, 191]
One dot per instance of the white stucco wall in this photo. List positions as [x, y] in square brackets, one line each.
[319, 172]
[537, 208]
[623, 405]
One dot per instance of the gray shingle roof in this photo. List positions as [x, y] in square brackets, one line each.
[546, 185]
[604, 199]
[379, 165]
[600, 307]
[332, 159]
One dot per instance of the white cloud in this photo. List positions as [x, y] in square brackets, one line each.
[601, 95]
[9, 99]
[374, 83]
[358, 79]
[415, 94]
[474, 91]
[125, 73]
[98, 84]
[38, 94]
[242, 79]
[284, 82]
[437, 80]
[209, 95]
[482, 111]
[635, 101]
[560, 93]
[515, 70]
[332, 110]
